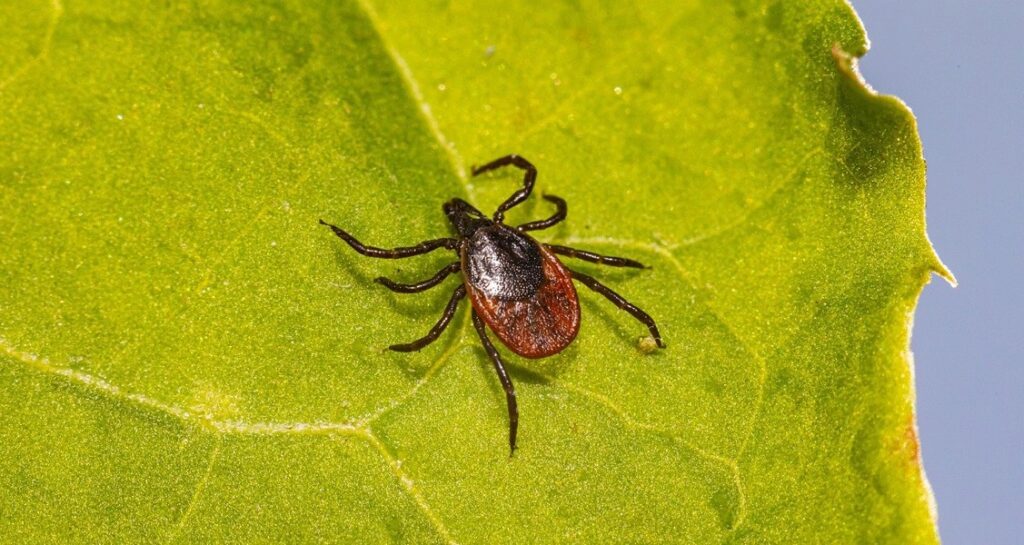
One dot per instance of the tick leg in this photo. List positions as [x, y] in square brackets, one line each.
[420, 286]
[645, 318]
[521, 194]
[556, 218]
[396, 253]
[438, 328]
[595, 258]
[506, 383]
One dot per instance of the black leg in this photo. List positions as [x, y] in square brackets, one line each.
[397, 253]
[419, 286]
[595, 258]
[645, 318]
[438, 328]
[506, 383]
[521, 194]
[556, 218]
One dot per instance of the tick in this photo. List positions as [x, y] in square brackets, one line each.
[516, 285]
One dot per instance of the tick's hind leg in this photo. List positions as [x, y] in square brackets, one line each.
[555, 218]
[620, 302]
[595, 258]
[438, 328]
[506, 383]
[522, 193]
[396, 253]
[419, 286]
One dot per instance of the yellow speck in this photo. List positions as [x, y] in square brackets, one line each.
[646, 344]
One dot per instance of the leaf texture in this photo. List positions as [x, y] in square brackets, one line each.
[186, 356]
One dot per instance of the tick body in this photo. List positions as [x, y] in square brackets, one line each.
[517, 286]
[521, 291]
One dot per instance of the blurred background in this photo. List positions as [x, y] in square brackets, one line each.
[960, 66]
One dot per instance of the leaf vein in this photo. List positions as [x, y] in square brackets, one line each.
[728, 463]
[223, 427]
[204, 420]
[56, 11]
[762, 366]
[197, 494]
[436, 366]
[413, 86]
[633, 422]
[666, 252]
[594, 82]
[409, 486]
[224, 253]
[786, 180]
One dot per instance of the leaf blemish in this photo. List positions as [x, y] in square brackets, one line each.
[646, 344]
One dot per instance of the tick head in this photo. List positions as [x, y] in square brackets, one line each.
[464, 217]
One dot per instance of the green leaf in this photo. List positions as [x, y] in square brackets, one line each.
[186, 356]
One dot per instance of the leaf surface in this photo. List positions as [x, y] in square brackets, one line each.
[188, 357]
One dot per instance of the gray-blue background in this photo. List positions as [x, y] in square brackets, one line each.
[960, 66]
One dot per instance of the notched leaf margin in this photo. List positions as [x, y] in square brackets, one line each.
[846, 63]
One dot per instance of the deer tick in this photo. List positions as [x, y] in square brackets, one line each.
[517, 285]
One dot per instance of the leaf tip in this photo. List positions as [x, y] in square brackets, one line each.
[939, 268]
[846, 62]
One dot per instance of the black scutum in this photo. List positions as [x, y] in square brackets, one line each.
[504, 264]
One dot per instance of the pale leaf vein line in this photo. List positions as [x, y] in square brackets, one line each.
[666, 253]
[417, 94]
[228, 249]
[409, 487]
[436, 366]
[198, 492]
[786, 180]
[729, 463]
[632, 421]
[224, 427]
[594, 82]
[732, 463]
[56, 11]
[762, 365]
[200, 418]
[664, 248]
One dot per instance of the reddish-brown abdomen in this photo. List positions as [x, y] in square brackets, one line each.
[539, 325]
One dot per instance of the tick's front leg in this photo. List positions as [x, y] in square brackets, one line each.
[396, 253]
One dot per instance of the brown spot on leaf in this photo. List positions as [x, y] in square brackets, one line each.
[911, 445]
[904, 444]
